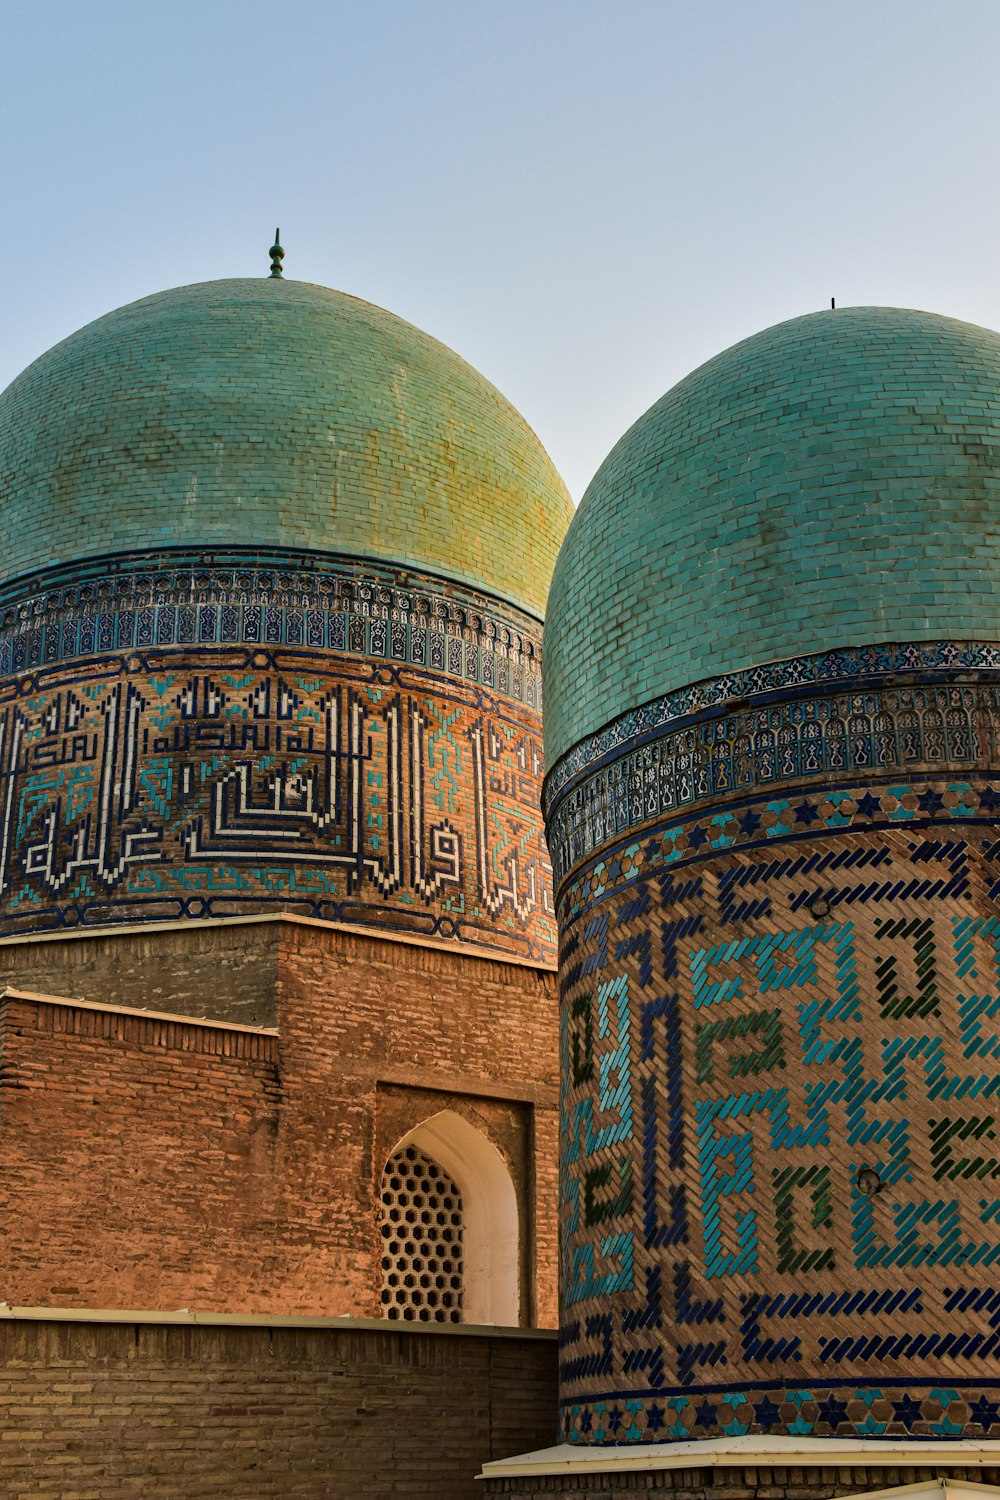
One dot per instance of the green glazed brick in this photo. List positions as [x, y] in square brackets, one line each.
[831, 482]
[276, 413]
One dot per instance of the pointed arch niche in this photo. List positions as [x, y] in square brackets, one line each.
[490, 1292]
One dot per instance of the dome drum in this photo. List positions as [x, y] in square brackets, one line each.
[210, 740]
[274, 566]
[772, 803]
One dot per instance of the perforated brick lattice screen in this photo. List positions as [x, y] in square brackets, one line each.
[421, 1240]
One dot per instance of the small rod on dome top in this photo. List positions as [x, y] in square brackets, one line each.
[277, 254]
[833, 302]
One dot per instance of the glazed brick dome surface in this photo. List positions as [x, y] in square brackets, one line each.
[832, 481]
[270, 412]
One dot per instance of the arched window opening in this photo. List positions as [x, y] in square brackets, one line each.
[472, 1182]
[422, 1240]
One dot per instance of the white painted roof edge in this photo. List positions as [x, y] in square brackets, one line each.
[760, 1451]
[943, 1489]
[343, 1323]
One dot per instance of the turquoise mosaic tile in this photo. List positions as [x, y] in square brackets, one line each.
[830, 483]
[274, 413]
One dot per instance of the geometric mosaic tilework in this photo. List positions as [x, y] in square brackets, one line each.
[730, 1079]
[773, 820]
[176, 597]
[153, 785]
[780, 1134]
[857, 667]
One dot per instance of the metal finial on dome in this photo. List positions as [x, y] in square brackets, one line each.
[277, 254]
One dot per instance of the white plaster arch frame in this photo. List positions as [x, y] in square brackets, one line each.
[489, 1206]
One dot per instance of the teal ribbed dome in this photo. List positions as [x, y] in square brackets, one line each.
[279, 414]
[833, 481]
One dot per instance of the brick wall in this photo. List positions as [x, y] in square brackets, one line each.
[109, 1410]
[168, 1162]
[369, 1031]
[138, 1152]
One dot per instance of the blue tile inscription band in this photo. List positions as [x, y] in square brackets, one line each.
[808, 737]
[222, 735]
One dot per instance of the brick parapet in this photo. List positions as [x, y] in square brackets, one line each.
[166, 1028]
[21, 1011]
[110, 1409]
[227, 969]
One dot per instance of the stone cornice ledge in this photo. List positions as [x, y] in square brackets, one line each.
[750, 1451]
[334, 1323]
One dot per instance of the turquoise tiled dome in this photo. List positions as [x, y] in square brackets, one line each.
[279, 414]
[832, 481]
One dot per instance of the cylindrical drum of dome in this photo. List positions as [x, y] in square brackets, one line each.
[272, 571]
[772, 719]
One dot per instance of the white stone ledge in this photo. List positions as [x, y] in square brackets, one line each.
[173, 1017]
[751, 1451]
[138, 929]
[185, 1317]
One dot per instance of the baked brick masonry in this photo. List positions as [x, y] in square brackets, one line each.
[105, 1408]
[169, 1162]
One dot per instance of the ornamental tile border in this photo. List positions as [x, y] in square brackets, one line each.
[800, 739]
[664, 849]
[208, 599]
[949, 1409]
[853, 665]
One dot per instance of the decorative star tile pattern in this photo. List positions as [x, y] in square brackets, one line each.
[807, 738]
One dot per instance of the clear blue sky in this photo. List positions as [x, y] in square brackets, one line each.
[585, 199]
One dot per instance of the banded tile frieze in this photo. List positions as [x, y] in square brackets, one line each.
[779, 921]
[805, 738]
[199, 599]
[852, 667]
[780, 1144]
